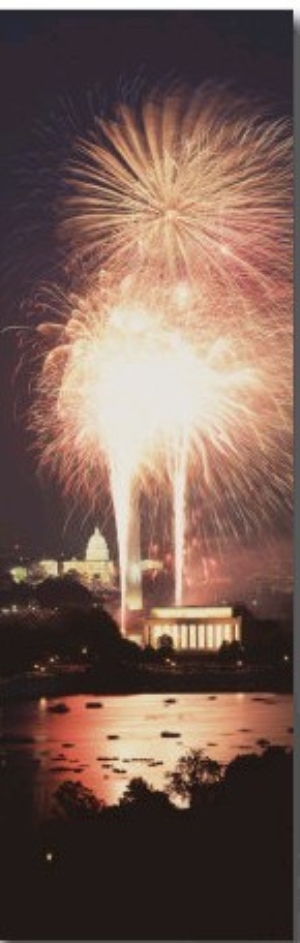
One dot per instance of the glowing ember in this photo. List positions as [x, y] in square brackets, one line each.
[172, 370]
[189, 186]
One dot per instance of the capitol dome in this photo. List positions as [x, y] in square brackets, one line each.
[97, 549]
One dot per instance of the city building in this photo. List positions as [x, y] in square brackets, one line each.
[193, 627]
[96, 568]
[35, 571]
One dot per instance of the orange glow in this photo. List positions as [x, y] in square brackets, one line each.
[190, 612]
[171, 371]
[142, 405]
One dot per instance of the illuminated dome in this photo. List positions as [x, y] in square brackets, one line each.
[97, 549]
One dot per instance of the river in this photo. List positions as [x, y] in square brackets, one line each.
[105, 746]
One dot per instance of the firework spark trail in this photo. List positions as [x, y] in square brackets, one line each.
[197, 185]
[192, 190]
[123, 393]
[185, 201]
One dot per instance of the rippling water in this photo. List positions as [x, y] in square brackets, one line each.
[105, 746]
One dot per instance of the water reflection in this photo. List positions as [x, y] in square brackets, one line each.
[139, 735]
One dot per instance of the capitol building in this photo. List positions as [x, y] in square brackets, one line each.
[97, 565]
[95, 569]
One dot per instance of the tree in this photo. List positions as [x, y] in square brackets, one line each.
[194, 776]
[230, 652]
[165, 644]
[77, 803]
[259, 775]
[137, 791]
[139, 795]
[56, 591]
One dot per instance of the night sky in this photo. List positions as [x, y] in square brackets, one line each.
[46, 60]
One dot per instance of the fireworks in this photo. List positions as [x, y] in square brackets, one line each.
[172, 369]
[194, 186]
[123, 396]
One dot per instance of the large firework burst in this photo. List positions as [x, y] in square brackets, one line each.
[172, 370]
[141, 396]
[186, 185]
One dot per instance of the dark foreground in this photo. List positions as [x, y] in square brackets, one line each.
[147, 679]
[218, 870]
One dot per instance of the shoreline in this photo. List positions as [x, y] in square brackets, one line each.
[33, 687]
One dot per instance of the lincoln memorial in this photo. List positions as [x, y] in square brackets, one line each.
[193, 627]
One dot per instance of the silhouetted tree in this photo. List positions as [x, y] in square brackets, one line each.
[260, 779]
[165, 644]
[77, 803]
[194, 775]
[230, 652]
[62, 591]
[12, 593]
[138, 790]
[140, 795]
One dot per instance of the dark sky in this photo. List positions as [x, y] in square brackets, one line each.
[47, 57]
